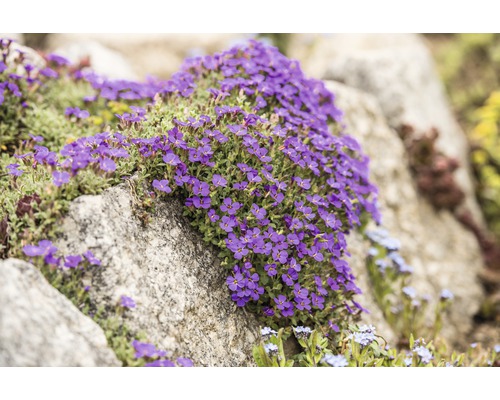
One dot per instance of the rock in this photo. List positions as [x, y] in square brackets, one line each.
[398, 70]
[443, 253]
[18, 37]
[183, 304]
[157, 54]
[40, 327]
[103, 60]
[32, 56]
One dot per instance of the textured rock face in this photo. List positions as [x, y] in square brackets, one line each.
[183, 304]
[399, 71]
[443, 253]
[40, 327]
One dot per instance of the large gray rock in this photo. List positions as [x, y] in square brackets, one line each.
[183, 304]
[398, 70]
[40, 327]
[443, 253]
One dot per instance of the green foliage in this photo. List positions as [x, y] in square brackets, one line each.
[470, 67]
[486, 159]
[350, 348]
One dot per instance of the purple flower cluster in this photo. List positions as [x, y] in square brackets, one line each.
[18, 75]
[281, 209]
[313, 229]
[48, 251]
[157, 358]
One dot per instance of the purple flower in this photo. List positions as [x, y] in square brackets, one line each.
[219, 181]
[160, 363]
[201, 202]
[127, 302]
[184, 362]
[49, 73]
[227, 223]
[303, 183]
[268, 311]
[271, 269]
[36, 138]
[317, 301]
[281, 302]
[171, 159]
[290, 277]
[43, 248]
[80, 114]
[212, 215]
[258, 212]
[229, 206]
[91, 258]
[57, 59]
[280, 256]
[162, 185]
[300, 292]
[107, 164]
[72, 261]
[236, 282]
[14, 170]
[60, 178]
[149, 350]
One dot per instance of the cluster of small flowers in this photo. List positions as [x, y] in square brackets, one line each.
[157, 358]
[24, 75]
[424, 354]
[365, 335]
[335, 360]
[102, 150]
[270, 348]
[313, 229]
[48, 251]
[327, 192]
[394, 259]
[302, 332]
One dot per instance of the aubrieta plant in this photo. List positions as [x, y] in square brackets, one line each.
[252, 147]
[265, 179]
[263, 175]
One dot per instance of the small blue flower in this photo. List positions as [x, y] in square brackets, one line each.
[271, 349]
[335, 360]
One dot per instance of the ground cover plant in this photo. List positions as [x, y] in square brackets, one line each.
[255, 151]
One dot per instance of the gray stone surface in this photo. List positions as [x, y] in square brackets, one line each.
[183, 304]
[40, 327]
[398, 70]
[30, 55]
[443, 253]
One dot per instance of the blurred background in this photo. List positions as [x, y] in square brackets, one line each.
[439, 92]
